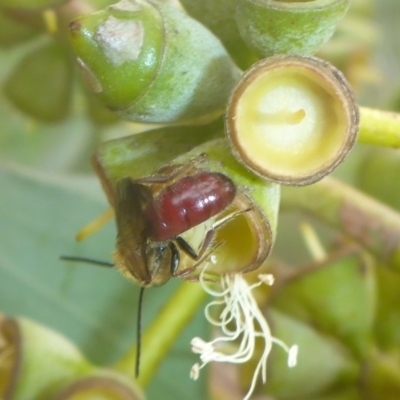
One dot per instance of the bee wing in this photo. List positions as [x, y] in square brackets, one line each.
[130, 200]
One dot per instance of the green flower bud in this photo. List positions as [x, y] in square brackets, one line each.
[151, 63]
[219, 17]
[272, 27]
[40, 85]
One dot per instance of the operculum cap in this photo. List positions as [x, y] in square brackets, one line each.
[119, 49]
[272, 27]
[150, 62]
[292, 119]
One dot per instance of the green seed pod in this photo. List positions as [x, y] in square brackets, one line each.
[319, 356]
[30, 4]
[149, 62]
[34, 358]
[272, 27]
[338, 299]
[292, 119]
[40, 85]
[219, 17]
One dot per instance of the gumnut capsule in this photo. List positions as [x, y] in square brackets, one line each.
[149, 62]
[292, 119]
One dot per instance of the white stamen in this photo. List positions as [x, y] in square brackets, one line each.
[195, 372]
[268, 279]
[241, 311]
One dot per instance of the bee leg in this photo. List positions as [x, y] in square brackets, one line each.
[188, 271]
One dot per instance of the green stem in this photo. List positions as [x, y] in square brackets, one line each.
[163, 332]
[370, 223]
[379, 128]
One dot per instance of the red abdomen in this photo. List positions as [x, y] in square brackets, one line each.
[187, 203]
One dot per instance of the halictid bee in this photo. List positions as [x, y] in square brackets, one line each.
[152, 213]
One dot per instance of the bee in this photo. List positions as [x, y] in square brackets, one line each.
[152, 213]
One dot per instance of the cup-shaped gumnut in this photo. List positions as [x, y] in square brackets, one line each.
[149, 62]
[34, 358]
[244, 239]
[292, 119]
[101, 385]
[301, 27]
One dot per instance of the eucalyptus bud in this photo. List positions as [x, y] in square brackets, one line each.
[272, 27]
[220, 17]
[149, 62]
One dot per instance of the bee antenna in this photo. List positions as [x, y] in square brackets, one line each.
[87, 261]
[139, 331]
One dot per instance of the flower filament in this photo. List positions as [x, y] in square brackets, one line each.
[239, 318]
